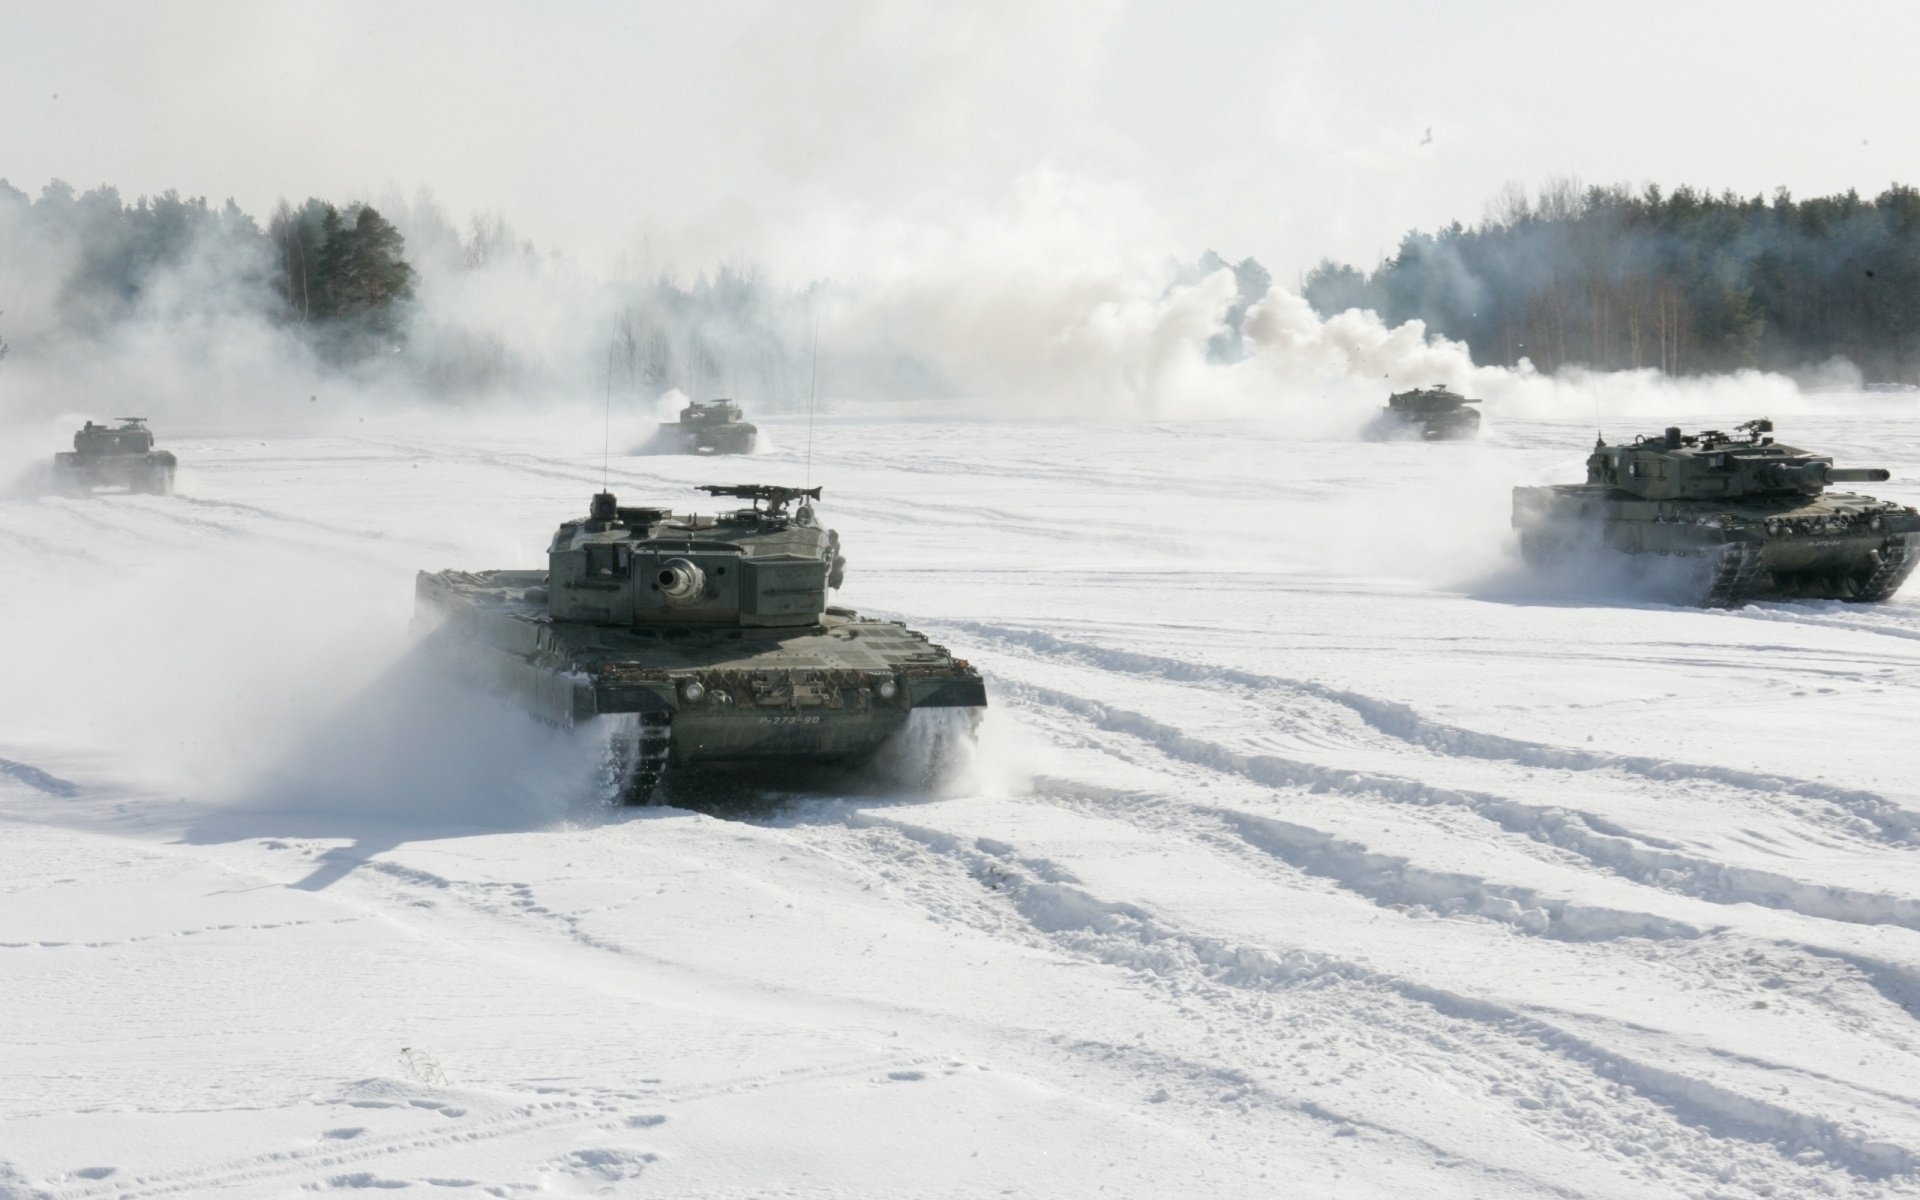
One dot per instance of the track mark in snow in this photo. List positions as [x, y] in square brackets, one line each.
[1881, 816]
[38, 780]
[1609, 847]
[1832, 615]
[1389, 880]
[1130, 937]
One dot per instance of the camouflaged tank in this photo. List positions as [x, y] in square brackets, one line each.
[714, 427]
[1735, 516]
[1435, 414]
[703, 640]
[104, 456]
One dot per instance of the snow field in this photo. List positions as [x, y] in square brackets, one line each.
[1313, 849]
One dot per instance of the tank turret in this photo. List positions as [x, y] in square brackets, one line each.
[710, 412]
[1743, 515]
[701, 640]
[1712, 465]
[759, 566]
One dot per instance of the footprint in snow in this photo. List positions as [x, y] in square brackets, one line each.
[367, 1179]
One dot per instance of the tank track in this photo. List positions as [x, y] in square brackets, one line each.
[637, 758]
[1897, 562]
[1739, 574]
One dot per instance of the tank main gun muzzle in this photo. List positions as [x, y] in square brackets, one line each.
[680, 581]
[1858, 475]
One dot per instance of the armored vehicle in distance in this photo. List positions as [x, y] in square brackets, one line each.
[714, 427]
[106, 456]
[699, 639]
[1734, 516]
[1436, 413]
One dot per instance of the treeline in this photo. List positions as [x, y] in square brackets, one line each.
[729, 334]
[340, 273]
[345, 279]
[1684, 281]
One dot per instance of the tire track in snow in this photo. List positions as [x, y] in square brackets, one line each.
[1051, 902]
[1604, 845]
[1893, 823]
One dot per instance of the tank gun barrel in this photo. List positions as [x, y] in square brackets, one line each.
[1794, 475]
[1812, 476]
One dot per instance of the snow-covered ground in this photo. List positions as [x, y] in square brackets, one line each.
[1313, 849]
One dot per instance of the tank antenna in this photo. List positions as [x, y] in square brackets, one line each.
[813, 382]
[606, 421]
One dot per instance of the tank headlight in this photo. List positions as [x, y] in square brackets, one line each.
[1874, 522]
[693, 692]
[887, 690]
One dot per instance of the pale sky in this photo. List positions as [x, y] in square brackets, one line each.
[784, 132]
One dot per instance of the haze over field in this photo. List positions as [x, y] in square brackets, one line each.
[1313, 847]
[1000, 208]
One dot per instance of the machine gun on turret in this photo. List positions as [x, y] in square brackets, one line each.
[774, 496]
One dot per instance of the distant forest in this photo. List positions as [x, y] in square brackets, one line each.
[1684, 281]
[343, 278]
[340, 272]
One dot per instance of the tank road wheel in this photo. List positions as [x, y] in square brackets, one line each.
[637, 754]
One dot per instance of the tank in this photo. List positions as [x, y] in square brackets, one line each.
[1436, 413]
[105, 456]
[1723, 518]
[701, 641]
[714, 427]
